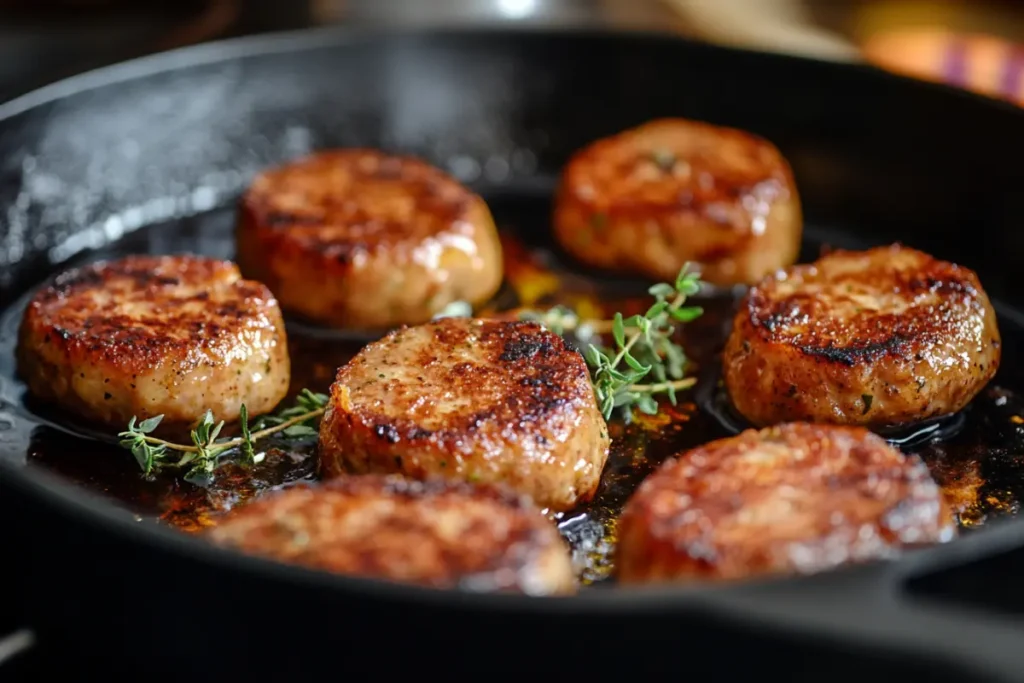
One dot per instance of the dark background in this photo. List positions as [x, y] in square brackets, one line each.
[44, 40]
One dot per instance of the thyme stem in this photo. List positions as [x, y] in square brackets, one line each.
[204, 453]
[660, 387]
[653, 362]
[236, 442]
[638, 335]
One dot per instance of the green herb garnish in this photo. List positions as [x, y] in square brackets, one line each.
[644, 349]
[202, 456]
[621, 377]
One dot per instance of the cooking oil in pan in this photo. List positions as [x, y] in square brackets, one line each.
[978, 459]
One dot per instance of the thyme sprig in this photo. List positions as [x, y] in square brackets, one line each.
[202, 456]
[644, 348]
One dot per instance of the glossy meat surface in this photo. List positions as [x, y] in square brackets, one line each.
[886, 336]
[437, 533]
[476, 400]
[149, 335]
[794, 498]
[672, 191]
[360, 239]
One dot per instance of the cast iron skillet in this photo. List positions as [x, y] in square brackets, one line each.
[877, 159]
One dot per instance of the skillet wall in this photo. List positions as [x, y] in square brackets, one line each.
[873, 154]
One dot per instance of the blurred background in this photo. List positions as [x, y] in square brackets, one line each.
[972, 43]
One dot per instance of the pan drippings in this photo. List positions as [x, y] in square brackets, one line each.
[979, 463]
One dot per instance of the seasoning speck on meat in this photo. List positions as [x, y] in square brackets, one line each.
[673, 191]
[794, 498]
[149, 335]
[476, 400]
[435, 533]
[359, 239]
[886, 336]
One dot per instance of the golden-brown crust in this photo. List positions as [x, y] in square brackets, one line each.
[794, 498]
[145, 335]
[435, 533]
[327, 231]
[654, 197]
[886, 336]
[483, 400]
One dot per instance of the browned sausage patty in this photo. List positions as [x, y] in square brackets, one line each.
[672, 191]
[436, 533]
[795, 498]
[359, 239]
[478, 400]
[886, 336]
[149, 335]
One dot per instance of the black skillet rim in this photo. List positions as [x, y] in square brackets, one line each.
[91, 508]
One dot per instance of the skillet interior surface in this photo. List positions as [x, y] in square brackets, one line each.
[151, 160]
[977, 458]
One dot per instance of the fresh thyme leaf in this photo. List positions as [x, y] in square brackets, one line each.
[201, 434]
[624, 398]
[619, 330]
[212, 438]
[187, 458]
[688, 314]
[246, 447]
[636, 365]
[147, 426]
[647, 330]
[644, 344]
[615, 374]
[633, 321]
[310, 400]
[647, 404]
[662, 290]
[286, 414]
[202, 456]
[687, 283]
[655, 310]
[142, 455]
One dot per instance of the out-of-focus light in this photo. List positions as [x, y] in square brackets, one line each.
[517, 9]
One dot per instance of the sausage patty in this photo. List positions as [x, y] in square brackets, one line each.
[437, 533]
[479, 400]
[887, 336]
[672, 191]
[794, 498]
[359, 239]
[149, 335]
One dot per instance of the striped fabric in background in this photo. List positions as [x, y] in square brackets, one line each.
[986, 64]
